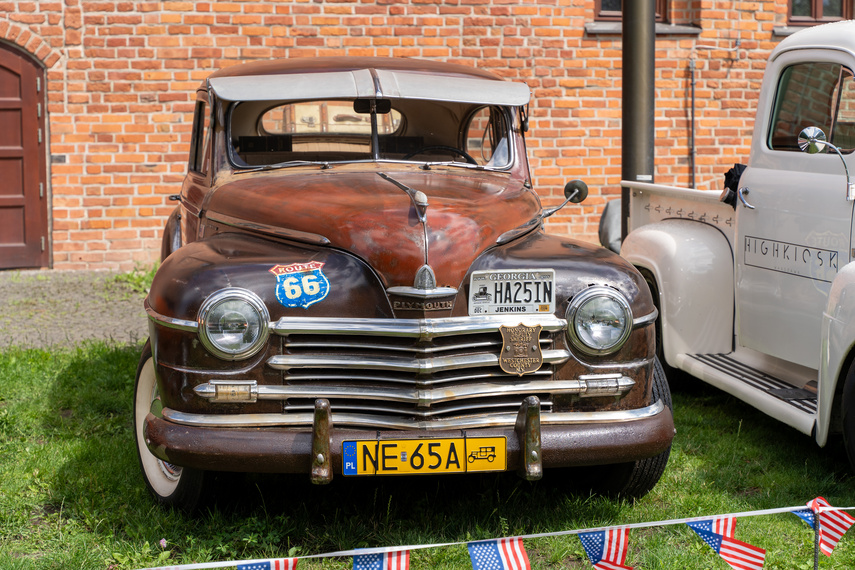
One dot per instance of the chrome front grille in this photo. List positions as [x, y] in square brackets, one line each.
[419, 369]
[404, 372]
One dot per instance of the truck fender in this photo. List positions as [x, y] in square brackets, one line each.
[838, 352]
[691, 267]
[171, 240]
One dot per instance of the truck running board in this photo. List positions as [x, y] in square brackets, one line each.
[793, 405]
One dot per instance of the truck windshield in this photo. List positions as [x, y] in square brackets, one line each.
[266, 133]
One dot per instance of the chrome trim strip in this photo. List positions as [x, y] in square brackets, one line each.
[421, 329]
[647, 319]
[328, 346]
[608, 386]
[304, 420]
[345, 376]
[169, 322]
[422, 293]
[450, 410]
[401, 364]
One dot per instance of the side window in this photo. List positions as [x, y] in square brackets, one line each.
[487, 137]
[199, 139]
[843, 131]
[807, 96]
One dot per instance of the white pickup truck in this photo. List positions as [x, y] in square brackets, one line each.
[756, 286]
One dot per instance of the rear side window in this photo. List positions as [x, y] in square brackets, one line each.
[814, 95]
[198, 141]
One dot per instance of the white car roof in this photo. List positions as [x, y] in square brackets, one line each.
[370, 83]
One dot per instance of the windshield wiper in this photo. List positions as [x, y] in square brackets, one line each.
[285, 164]
[427, 165]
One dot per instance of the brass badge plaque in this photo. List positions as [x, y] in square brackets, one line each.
[520, 349]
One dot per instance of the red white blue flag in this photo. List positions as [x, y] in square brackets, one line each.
[833, 524]
[273, 564]
[501, 554]
[718, 534]
[398, 560]
[607, 548]
[725, 526]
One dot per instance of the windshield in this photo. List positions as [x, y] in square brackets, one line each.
[268, 133]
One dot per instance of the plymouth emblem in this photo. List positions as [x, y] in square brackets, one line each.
[520, 349]
[300, 284]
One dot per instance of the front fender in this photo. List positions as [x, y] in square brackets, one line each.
[692, 265]
[198, 269]
[838, 346]
[171, 240]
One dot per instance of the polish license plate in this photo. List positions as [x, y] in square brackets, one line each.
[418, 456]
[512, 292]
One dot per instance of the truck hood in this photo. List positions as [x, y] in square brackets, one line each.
[374, 215]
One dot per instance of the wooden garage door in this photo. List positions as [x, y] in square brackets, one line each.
[23, 201]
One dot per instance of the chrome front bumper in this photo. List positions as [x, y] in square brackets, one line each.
[534, 441]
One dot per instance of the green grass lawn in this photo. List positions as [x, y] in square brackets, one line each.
[71, 495]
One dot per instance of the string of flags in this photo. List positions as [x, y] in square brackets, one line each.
[606, 547]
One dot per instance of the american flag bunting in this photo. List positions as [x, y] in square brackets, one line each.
[501, 554]
[725, 526]
[833, 524]
[739, 555]
[606, 549]
[398, 560]
[272, 564]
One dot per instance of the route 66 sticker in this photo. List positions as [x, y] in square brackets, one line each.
[300, 284]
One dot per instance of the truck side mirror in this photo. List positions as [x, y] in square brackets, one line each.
[812, 140]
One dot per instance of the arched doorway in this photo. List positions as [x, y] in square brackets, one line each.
[23, 168]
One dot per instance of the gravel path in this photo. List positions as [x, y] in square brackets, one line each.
[40, 309]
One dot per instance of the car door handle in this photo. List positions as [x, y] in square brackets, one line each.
[742, 192]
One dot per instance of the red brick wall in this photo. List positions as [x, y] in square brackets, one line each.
[121, 77]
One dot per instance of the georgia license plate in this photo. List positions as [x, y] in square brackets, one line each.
[512, 292]
[416, 456]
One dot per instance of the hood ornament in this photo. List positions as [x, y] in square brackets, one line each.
[424, 286]
[425, 278]
[421, 202]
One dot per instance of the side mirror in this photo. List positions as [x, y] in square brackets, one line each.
[575, 191]
[813, 140]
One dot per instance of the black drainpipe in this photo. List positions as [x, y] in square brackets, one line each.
[639, 43]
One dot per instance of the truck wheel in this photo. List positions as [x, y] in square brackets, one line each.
[635, 479]
[170, 484]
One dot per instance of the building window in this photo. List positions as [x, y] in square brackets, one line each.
[611, 9]
[810, 12]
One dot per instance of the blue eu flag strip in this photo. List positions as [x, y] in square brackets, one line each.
[348, 458]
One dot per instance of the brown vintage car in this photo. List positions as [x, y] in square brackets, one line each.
[356, 282]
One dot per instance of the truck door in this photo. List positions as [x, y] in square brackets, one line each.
[791, 245]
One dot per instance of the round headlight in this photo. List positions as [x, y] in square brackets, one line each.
[599, 320]
[233, 324]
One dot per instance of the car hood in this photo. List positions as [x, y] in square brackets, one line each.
[375, 215]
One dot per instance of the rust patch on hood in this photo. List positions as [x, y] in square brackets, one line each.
[375, 219]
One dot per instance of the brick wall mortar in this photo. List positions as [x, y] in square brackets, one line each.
[121, 77]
